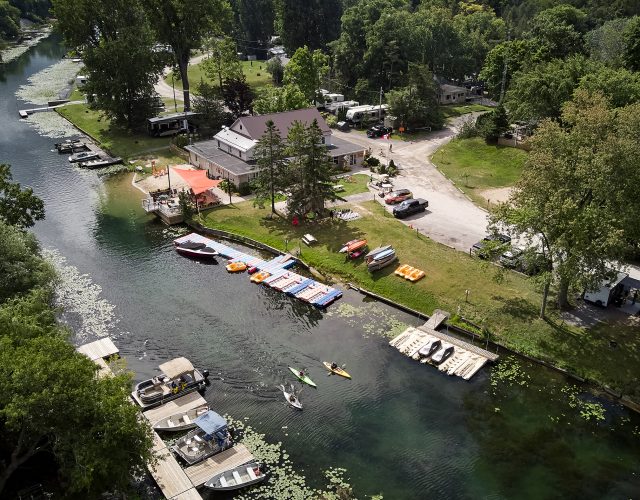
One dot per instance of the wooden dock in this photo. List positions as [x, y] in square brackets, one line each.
[467, 359]
[175, 482]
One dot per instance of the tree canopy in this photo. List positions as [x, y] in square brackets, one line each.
[18, 207]
[270, 156]
[278, 99]
[306, 70]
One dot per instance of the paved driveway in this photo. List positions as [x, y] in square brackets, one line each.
[451, 218]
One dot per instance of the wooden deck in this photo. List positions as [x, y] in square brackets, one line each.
[185, 403]
[168, 474]
[100, 349]
[221, 462]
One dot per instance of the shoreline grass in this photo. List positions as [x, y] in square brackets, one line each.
[508, 309]
[475, 166]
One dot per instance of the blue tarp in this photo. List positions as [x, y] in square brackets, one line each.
[210, 422]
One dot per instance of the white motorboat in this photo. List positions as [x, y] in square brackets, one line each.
[442, 354]
[240, 477]
[181, 421]
[210, 436]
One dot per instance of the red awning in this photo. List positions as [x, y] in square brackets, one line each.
[197, 180]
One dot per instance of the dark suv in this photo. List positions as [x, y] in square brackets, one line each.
[378, 131]
[490, 242]
[409, 207]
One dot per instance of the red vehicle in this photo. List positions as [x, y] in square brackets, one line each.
[397, 196]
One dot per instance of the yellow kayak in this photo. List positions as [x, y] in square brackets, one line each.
[337, 371]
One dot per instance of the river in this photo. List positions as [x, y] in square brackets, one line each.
[399, 428]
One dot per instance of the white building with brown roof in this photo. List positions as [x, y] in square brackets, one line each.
[229, 154]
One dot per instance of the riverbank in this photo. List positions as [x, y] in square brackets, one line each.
[507, 309]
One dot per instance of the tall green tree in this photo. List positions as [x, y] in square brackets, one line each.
[416, 105]
[208, 103]
[631, 37]
[276, 70]
[606, 43]
[313, 23]
[18, 207]
[118, 53]
[578, 194]
[183, 25]
[238, 96]
[310, 170]
[620, 86]
[559, 31]
[255, 20]
[306, 70]
[270, 156]
[480, 31]
[9, 21]
[222, 60]
[278, 99]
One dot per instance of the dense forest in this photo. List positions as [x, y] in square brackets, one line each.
[11, 11]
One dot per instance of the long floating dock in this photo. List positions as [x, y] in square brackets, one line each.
[279, 278]
[175, 482]
[466, 360]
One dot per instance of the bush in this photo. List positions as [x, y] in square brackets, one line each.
[226, 185]
[181, 141]
[244, 189]
[332, 121]
[468, 129]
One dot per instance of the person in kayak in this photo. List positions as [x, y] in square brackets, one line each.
[334, 365]
[301, 373]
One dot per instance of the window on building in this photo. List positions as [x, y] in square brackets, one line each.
[240, 153]
[448, 97]
[352, 159]
[229, 148]
[322, 139]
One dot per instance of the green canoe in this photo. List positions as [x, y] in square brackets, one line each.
[304, 378]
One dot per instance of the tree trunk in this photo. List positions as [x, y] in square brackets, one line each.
[543, 306]
[18, 457]
[563, 294]
[183, 64]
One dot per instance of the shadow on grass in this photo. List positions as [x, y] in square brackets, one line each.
[516, 307]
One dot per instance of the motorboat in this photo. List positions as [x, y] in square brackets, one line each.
[444, 353]
[83, 156]
[381, 259]
[181, 421]
[429, 348]
[71, 146]
[291, 397]
[210, 436]
[100, 162]
[195, 249]
[178, 378]
[240, 477]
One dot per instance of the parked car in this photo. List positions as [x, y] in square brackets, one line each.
[379, 131]
[512, 258]
[410, 207]
[480, 249]
[344, 126]
[397, 196]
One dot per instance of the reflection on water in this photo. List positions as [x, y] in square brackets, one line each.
[398, 427]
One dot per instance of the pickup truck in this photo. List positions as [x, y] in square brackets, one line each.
[409, 207]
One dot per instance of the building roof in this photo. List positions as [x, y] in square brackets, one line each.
[176, 367]
[239, 141]
[452, 88]
[340, 147]
[210, 151]
[171, 117]
[254, 127]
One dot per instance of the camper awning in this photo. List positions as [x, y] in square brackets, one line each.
[210, 422]
[176, 367]
[197, 180]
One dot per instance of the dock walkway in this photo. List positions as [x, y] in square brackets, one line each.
[280, 278]
[175, 482]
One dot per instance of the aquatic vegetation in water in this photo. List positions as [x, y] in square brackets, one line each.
[588, 410]
[51, 124]
[508, 372]
[17, 50]
[285, 483]
[83, 308]
[370, 318]
[46, 85]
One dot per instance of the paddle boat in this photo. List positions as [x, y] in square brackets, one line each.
[336, 369]
[181, 421]
[178, 378]
[236, 267]
[415, 275]
[260, 277]
[195, 249]
[302, 377]
[234, 479]
[403, 270]
[291, 397]
[210, 436]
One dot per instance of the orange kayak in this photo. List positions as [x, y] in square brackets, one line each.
[337, 371]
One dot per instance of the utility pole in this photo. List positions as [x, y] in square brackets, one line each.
[380, 107]
[504, 71]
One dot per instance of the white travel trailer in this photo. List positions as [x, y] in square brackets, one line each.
[357, 114]
[608, 291]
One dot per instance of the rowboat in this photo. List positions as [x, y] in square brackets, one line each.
[302, 378]
[234, 479]
[337, 370]
[291, 397]
[236, 267]
[181, 421]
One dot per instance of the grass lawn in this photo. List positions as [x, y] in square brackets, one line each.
[255, 72]
[357, 184]
[474, 166]
[116, 140]
[508, 309]
[454, 110]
